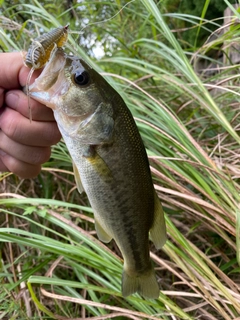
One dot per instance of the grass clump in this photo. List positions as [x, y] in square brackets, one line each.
[52, 264]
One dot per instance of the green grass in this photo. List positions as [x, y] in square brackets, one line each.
[188, 121]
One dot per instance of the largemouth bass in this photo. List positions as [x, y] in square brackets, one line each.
[110, 163]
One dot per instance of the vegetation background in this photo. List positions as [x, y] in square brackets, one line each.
[172, 62]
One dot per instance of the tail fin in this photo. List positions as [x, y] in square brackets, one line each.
[145, 284]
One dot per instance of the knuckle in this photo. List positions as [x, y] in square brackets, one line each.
[31, 172]
[10, 125]
[56, 135]
[40, 155]
[52, 134]
[21, 169]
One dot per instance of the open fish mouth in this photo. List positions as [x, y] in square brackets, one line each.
[51, 83]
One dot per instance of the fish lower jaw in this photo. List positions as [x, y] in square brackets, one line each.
[44, 98]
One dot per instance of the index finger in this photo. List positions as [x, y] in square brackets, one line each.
[13, 73]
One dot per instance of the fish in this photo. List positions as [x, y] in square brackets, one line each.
[110, 164]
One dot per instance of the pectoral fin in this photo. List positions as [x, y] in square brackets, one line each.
[97, 162]
[101, 233]
[77, 178]
[158, 230]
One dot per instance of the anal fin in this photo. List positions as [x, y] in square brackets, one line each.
[158, 231]
[101, 233]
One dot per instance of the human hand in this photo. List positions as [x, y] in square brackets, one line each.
[24, 145]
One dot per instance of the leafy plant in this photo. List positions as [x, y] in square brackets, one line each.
[188, 120]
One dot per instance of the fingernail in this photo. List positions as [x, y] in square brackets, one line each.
[2, 153]
[12, 99]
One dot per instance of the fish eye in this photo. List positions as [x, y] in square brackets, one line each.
[81, 78]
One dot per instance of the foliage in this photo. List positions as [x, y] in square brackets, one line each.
[210, 11]
[188, 117]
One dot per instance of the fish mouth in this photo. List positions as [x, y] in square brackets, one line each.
[51, 83]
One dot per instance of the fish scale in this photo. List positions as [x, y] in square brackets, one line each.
[110, 164]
